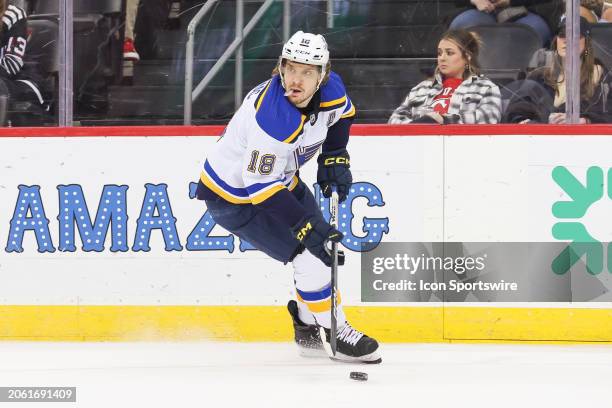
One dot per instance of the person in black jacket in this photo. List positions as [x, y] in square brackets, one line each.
[541, 98]
[15, 83]
[482, 12]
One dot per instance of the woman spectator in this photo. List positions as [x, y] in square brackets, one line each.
[457, 93]
[541, 98]
[15, 84]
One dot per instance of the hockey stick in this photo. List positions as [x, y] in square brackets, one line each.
[330, 347]
[333, 209]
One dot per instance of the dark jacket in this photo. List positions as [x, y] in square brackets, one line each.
[534, 100]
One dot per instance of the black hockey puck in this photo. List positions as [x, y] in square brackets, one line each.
[359, 376]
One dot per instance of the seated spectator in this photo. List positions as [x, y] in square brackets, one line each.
[541, 98]
[457, 93]
[15, 83]
[483, 12]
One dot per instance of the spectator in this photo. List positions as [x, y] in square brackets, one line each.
[15, 83]
[129, 51]
[457, 93]
[483, 12]
[541, 98]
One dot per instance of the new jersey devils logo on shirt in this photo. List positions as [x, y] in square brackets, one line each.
[441, 102]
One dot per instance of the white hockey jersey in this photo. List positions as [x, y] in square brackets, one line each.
[268, 139]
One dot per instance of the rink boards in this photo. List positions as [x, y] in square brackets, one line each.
[102, 238]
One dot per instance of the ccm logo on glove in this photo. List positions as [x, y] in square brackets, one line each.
[314, 233]
[337, 160]
[305, 230]
[334, 170]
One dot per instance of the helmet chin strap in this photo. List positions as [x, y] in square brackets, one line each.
[322, 75]
[280, 72]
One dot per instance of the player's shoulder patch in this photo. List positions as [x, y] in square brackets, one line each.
[12, 15]
[333, 93]
[275, 115]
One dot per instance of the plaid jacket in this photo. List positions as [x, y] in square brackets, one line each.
[476, 100]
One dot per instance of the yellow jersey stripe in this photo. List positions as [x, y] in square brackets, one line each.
[293, 184]
[260, 198]
[220, 192]
[334, 102]
[349, 113]
[262, 96]
[297, 131]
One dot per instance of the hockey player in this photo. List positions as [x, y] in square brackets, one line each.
[251, 183]
[16, 85]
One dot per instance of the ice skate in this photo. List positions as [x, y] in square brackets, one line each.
[352, 346]
[306, 336]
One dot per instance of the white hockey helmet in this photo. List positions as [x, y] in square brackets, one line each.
[306, 48]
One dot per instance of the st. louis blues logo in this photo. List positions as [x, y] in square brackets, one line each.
[305, 153]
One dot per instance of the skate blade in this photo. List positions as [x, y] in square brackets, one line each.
[312, 353]
[373, 358]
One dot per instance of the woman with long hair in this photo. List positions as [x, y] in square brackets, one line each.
[457, 93]
[542, 97]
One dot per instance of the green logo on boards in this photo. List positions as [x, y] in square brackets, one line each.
[582, 197]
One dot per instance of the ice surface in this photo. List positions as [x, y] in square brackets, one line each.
[273, 375]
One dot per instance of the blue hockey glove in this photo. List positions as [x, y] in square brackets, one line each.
[314, 234]
[334, 169]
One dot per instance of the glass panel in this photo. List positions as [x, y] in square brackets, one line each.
[98, 32]
[29, 64]
[593, 79]
[542, 98]
[382, 49]
[376, 47]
